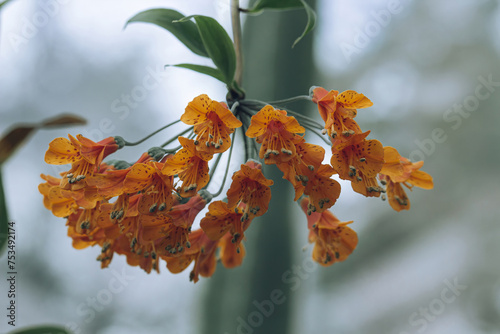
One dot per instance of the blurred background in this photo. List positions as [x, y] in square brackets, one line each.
[432, 71]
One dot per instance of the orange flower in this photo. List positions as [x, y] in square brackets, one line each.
[183, 215]
[213, 122]
[308, 176]
[250, 187]
[334, 241]
[202, 251]
[398, 170]
[359, 160]
[231, 254]
[110, 182]
[191, 166]
[84, 155]
[220, 219]
[54, 199]
[338, 110]
[277, 133]
[156, 187]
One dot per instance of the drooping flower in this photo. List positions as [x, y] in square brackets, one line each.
[84, 155]
[191, 165]
[398, 171]
[221, 219]
[54, 199]
[277, 133]
[202, 252]
[213, 123]
[250, 187]
[333, 240]
[231, 254]
[310, 177]
[183, 215]
[359, 160]
[338, 110]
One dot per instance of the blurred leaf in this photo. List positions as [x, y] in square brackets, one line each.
[185, 31]
[4, 3]
[16, 136]
[275, 4]
[213, 72]
[47, 329]
[3, 217]
[311, 21]
[63, 120]
[13, 140]
[219, 46]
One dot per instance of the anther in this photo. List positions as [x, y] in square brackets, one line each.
[188, 244]
[362, 159]
[85, 225]
[152, 208]
[69, 175]
[153, 255]
[196, 142]
[359, 178]
[162, 206]
[383, 182]
[80, 177]
[334, 134]
[323, 132]
[105, 246]
[311, 168]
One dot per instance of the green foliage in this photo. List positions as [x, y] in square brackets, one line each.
[185, 31]
[311, 21]
[213, 72]
[219, 46]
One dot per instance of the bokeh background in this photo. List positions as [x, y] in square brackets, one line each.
[432, 70]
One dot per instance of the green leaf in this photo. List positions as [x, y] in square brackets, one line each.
[185, 31]
[311, 21]
[219, 46]
[275, 4]
[213, 72]
[4, 219]
[45, 329]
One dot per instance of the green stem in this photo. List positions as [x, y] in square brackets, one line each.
[292, 99]
[227, 167]
[177, 136]
[214, 167]
[151, 135]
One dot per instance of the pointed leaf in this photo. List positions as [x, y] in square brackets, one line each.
[311, 21]
[275, 4]
[63, 120]
[185, 31]
[213, 72]
[219, 46]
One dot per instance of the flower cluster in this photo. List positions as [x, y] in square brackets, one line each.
[145, 210]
